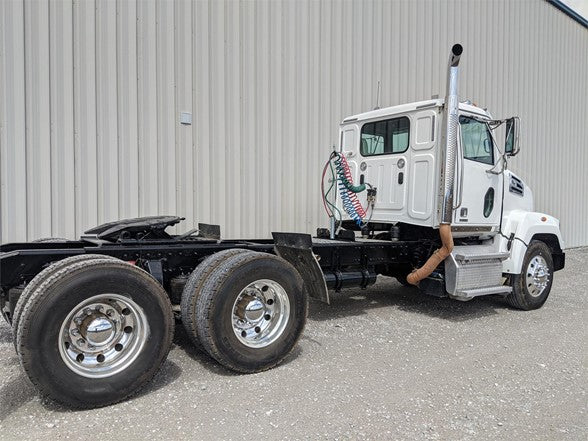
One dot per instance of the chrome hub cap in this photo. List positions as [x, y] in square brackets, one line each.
[260, 313]
[99, 331]
[537, 276]
[102, 335]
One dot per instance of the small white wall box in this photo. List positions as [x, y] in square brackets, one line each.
[186, 118]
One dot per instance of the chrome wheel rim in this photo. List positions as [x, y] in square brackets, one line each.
[102, 335]
[537, 276]
[260, 313]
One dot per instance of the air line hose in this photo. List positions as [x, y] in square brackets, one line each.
[347, 191]
[344, 173]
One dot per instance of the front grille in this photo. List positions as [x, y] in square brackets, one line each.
[516, 186]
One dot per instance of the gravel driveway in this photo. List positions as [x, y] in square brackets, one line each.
[386, 363]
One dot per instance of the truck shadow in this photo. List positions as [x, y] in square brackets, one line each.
[18, 391]
[5, 334]
[167, 374]
[388, 293]
[182, 340]
[15, 393]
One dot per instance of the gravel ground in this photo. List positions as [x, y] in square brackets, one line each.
[386, 363]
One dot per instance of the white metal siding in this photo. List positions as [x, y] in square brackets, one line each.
[91, 91]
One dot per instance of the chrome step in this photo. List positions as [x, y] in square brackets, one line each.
[471, 253]
[468, 294]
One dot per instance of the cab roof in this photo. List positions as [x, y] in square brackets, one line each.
[411, 107]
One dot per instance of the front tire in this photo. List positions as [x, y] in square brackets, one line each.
[251, 311]
[532, 286]
[94, 332]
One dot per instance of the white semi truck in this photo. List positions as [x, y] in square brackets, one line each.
[420, 192]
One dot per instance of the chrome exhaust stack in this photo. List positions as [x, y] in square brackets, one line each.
[450, 122]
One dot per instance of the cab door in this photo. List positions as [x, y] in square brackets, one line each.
[385, 155]
[481, 192]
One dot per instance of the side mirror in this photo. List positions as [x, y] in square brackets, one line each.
[511, 141]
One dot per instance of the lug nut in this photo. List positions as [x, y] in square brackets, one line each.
[98, 308]
[110, 312]
[78, 320]
[75, 331]
[81, 341]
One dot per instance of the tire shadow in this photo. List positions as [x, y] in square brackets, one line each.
[14, 394]
[5, 334]
[17, 390]
[387, 293]
[167, 374]
[183, 341]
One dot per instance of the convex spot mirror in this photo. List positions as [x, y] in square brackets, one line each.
[511, 141]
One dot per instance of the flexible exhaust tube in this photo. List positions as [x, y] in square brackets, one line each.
[450, 122]
[436, 258]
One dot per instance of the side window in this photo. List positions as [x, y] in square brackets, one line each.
[476, 140]
[385, 137]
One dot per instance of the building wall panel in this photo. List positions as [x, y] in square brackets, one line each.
[13, 163]
[37, 120]
[92, 93]
[85, 139]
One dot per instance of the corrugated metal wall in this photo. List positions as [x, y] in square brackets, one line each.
[91, 93]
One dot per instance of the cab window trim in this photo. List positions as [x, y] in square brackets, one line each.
[488, 133]
[385, 121]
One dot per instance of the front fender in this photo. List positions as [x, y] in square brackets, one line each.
[526, 225]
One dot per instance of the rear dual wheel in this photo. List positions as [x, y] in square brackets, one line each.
[3, 303]
[41, 277]
[94, 331]
[193, 288]
[249, 311]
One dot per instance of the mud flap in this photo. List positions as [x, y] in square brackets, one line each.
[297, 249]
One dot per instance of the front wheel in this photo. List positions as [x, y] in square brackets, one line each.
[531, 287]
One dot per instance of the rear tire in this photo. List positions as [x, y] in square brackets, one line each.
[251, 311]
[40, 278]
[532, 286]
[94, 332]
[193, 288]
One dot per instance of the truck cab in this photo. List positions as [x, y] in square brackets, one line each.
[400, 152]
[397, 150]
